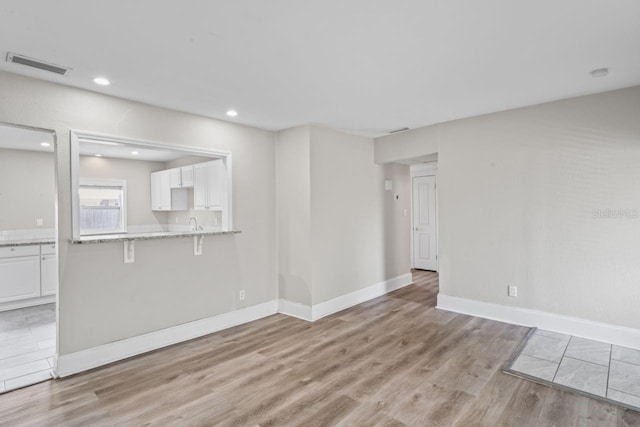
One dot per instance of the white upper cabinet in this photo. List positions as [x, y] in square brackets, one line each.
[209, 185]
[163, 197]
[187, 176]
[181, 177]
[175, 178]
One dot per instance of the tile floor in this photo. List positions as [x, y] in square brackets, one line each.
[603, 370]
[27, 346]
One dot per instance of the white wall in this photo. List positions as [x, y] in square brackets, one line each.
[397, 225]
[294, 215]
[331, 216]
[27, 189]
[103, 300]
[347, 214]
[517, 193]
[137, 173]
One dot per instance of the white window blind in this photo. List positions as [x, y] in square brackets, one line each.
[102, 207]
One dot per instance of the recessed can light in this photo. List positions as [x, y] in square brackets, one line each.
[135, 153]
[101, 81]
[232, 113]
[98, 155]
[600, 72]
[45, 144]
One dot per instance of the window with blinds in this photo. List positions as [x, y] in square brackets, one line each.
[102, 207]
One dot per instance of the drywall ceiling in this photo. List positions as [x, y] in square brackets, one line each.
[364, 66]
[18, 138]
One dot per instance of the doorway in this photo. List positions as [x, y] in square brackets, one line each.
[424, 233]
[28, 256]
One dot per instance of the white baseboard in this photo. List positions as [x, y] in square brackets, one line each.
[295, 309]
[69, 364]
[618, 335]
[325, 308]
[342, 302]
[13, 305]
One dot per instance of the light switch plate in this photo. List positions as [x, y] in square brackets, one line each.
[39, 222]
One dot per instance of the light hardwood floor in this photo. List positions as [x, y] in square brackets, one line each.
[392, 361]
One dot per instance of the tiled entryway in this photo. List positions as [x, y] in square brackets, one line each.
[595, 368]
[27, 346]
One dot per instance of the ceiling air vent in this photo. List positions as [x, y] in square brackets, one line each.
[35, 63]
[398, 130]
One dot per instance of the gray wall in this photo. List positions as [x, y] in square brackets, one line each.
[347, 214]
[294, 215]
[27, 189]
[102, 299]
[517, 191]
[137, 173]
[332, 231]
[397, 226]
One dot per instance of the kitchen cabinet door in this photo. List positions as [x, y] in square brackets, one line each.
[19, 278]
[48, 274]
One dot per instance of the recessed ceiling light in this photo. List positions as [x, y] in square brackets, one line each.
[98, 155]
[45, 144]
[135, 153]
[232, 113]
[101, 81]
[600, 72]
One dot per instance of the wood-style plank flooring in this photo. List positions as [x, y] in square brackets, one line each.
[392, 361]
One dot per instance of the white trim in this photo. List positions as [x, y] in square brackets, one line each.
[325, 308]
[77, 135]
[69, 364]
[343, 302]
[295, 309]
[612, 334]
[13, 305]
[424, 169]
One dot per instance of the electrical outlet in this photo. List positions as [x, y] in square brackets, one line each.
[512, 291]
[39, 222]
[242, 295]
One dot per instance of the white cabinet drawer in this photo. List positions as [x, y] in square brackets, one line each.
[48, 249]
[13, 251]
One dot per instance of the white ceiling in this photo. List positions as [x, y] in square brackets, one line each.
[17, 138]
[364, 66]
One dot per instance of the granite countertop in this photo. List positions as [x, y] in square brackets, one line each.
[107, 238]
[27, 242]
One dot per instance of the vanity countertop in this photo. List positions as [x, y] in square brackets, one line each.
[107, 238]
[27, 241]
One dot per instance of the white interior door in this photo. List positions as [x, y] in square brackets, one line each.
[425, 255]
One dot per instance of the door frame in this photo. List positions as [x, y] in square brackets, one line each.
[417, 171]
[56, 221]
